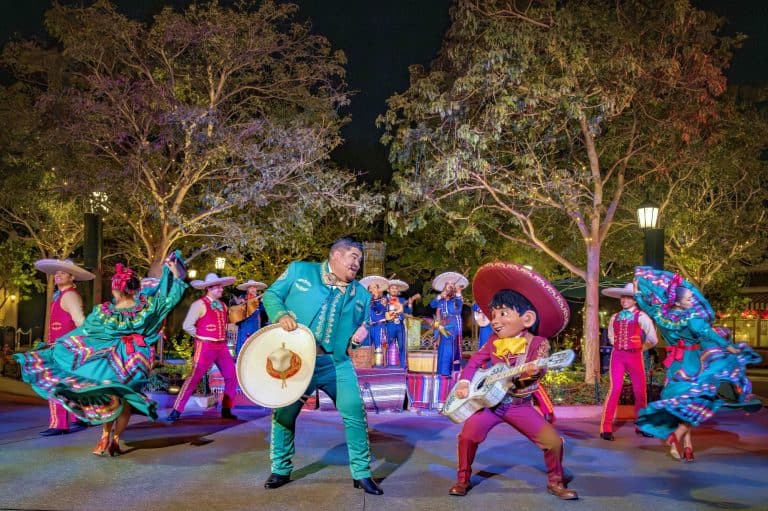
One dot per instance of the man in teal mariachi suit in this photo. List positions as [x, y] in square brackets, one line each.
[326, 298]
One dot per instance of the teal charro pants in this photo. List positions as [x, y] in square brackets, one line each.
[339, 381]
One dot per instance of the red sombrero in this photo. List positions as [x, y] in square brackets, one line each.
[551, 308]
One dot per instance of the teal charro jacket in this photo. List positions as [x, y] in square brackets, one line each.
[301, 292]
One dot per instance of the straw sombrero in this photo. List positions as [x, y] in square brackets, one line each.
[51, 266]
[212, 280]
[252, 283]
[275, 366]
[618, 292]
[401, 284]
[551, 308]
[374, 279]
[438, 284]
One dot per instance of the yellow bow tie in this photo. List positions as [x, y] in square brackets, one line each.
[509, 346]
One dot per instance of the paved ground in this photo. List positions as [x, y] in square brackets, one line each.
[205, 463]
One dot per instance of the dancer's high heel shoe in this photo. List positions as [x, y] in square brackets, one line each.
[688, 454]
[102, 446]
[114, 447]
[674, 446]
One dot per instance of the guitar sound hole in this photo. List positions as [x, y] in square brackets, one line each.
[481, 383]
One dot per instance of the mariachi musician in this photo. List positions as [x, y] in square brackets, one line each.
[377, 325]
[251, 302]
[448, 305]
[397, 307]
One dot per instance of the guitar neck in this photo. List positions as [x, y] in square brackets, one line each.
[514, 371]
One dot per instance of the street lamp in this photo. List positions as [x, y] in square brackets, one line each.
[192, 274]
[219, 263]
[653, 249]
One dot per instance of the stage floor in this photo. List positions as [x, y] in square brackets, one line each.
[206, 463]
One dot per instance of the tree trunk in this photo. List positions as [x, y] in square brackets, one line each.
[591, 353]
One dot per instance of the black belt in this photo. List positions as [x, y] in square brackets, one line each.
[513, 400]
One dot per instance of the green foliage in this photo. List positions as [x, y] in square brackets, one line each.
[17, 271]
[533, 123]
[210, 128]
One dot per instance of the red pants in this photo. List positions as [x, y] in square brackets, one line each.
[524, 418]
[630, 362]
[208, 353]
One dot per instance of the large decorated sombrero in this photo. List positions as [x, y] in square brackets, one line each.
[252, 283]
[400, 284]
[439, 282]
[551, 308]
[374, 279]
[212, 280]
[618, 292]
[51, 266]
[275, 366]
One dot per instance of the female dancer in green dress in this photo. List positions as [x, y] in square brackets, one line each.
[704, 370]
[99, 369]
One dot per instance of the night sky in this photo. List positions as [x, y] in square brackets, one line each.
[382, 38]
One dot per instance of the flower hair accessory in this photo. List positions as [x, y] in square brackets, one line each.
[122, 276]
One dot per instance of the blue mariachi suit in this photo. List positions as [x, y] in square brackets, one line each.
[396, 331]
[378, 327]
[449, 350]
[333, 314]
[484, 332]
[248, 327]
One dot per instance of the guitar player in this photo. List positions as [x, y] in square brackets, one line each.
[525, 310]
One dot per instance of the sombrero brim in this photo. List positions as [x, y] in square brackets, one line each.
[252, 283]
[438, 284]
[51, 266]
[257, 384]
[222, 281]
[374, 279]
[618, 292]
[551, 308]
[400, 284]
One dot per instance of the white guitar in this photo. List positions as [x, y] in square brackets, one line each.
[489, 386]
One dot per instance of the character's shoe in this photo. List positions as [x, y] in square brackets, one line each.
[639, 431]
[674, 446]
[102, 446]
[368, 484]
[561, 492]
[54, 432]
[688, 454]
[460, 488]
[607, 435]
[567, 478]
[173, 416]
[114, 447]
[276, 481]
[226, 413]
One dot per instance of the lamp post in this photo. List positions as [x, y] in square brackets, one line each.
[653, 247]
[93, 239]
[219, 263]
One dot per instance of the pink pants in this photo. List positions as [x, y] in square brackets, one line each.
[60, 417]
[524, 418]
[208, 353]
[630, 362]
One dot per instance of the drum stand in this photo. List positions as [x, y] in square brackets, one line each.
[367, 386]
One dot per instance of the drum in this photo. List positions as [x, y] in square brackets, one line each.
[237, 313]
[251, 306]
[422, 361]
[413, 333]
[362, 357]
